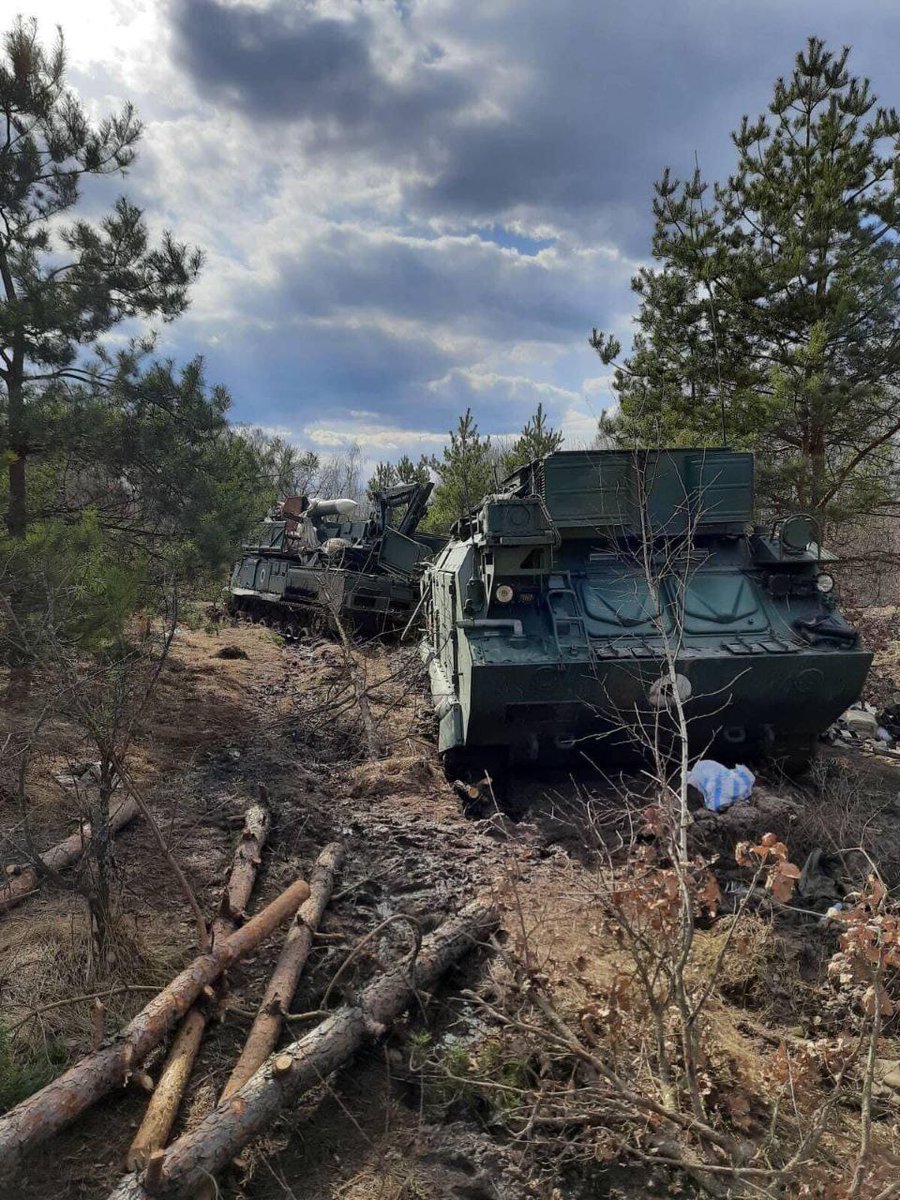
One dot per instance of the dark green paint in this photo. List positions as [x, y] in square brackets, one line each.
[579, 651]
[370, 579]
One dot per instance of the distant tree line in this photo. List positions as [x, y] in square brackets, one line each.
[468, 467]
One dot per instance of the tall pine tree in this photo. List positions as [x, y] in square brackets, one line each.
[465, 474]
[775, 310]
[537, 439]
[63, 286]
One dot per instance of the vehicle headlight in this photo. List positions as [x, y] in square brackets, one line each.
[504, 593]
[824, 583]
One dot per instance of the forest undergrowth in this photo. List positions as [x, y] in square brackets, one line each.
[676, 1000]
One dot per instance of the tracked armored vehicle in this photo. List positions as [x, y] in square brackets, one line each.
[569, 609]
[315, 558]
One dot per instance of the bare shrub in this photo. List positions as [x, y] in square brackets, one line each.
[650, 1064]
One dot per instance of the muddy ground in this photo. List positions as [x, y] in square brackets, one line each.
[283, 717]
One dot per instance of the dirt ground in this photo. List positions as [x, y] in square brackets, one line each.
[283, 717]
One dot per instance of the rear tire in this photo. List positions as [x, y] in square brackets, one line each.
[794, 755]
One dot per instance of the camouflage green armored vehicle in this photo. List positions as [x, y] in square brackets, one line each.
[314, 558]
[569, 608]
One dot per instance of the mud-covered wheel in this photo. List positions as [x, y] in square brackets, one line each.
[794, 755]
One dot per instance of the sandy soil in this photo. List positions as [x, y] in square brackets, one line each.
[284, 717]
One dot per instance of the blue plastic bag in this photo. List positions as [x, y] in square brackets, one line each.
[721, 786]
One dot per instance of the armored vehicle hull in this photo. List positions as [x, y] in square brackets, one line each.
[570, 609]
[297, 599]
[313, 562]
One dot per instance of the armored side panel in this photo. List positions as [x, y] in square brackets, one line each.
[629, 493]
[401, 555]
[556, 619]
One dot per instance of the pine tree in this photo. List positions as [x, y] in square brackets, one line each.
[465, 474]
[413, 472]
[63, 286]
[537, 440]
[387, 474]
[384, 476]
[772, 319]
[285, 468]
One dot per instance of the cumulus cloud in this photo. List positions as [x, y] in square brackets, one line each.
[558, 114]
[352, 73]
[386, 442]
[463, 284]
[417, 206]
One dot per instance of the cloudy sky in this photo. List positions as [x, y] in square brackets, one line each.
[409, 207]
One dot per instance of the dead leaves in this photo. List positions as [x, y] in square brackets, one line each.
[709, 894]
[876, 1002]
[782, 880]
[768, 848]
[869, 950]
[771, 855]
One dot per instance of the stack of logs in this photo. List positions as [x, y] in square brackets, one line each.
[264, 1080]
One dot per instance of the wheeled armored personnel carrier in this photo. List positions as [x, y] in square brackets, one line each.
[570, 608]
[313, 559]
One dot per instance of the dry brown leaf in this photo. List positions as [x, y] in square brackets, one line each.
[783, 880]
[874, 998]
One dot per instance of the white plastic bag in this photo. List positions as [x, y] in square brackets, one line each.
[721, 786]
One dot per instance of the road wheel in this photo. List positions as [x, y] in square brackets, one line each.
[794, 755]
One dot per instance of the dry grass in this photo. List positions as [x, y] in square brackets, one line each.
[276, 710]
[45, 944]
[48, 962]
[400, 775]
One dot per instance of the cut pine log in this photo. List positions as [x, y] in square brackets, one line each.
[166, 1097]
[173, 1080]
[244, 866]
[193, 1158]
[263, 1037]
[26, 879]
[60, 1102]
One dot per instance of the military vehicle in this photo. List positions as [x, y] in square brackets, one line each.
[568, 611]
[314, 558]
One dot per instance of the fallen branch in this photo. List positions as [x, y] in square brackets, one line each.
[244, 866]
[60, 1102]
[263, 1036]
[34, 1013]
[195, 1157]
[25, 881]
[166, 1098]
